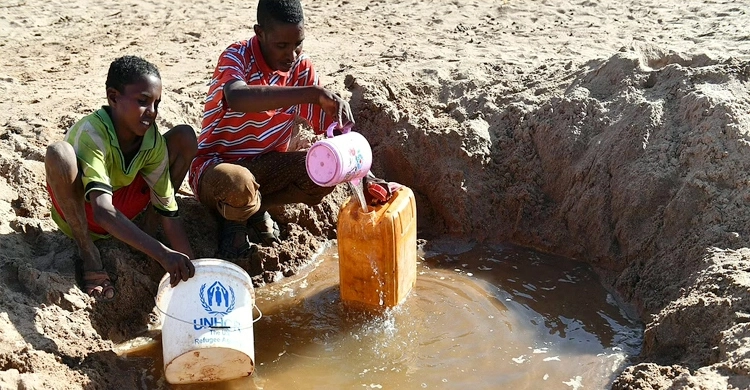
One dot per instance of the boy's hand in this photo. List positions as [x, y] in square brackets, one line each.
[178, 266]
[377, 191]
[335, 107]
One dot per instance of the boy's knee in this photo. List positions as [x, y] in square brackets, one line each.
[234, 213]
[60, 156]
[232, 190]
[183, 140]
[59, 150]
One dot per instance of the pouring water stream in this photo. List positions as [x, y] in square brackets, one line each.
[359, 193]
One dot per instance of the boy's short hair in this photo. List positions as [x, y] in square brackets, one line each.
[279, 11]
[129, 70]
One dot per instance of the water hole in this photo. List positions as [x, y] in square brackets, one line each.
[480, 316]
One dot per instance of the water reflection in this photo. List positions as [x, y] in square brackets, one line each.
[496, 317]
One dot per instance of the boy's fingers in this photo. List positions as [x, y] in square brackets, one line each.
[349, 114]
[345, 112]
[184, 270]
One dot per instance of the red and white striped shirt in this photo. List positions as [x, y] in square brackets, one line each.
[229, 136]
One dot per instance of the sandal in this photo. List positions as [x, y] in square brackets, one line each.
[228, 230]
[259, 232]
[98, 285]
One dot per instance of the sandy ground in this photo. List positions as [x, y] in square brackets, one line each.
[612, 132]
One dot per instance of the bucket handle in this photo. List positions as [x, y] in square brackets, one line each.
[332, 127]
[260, 315]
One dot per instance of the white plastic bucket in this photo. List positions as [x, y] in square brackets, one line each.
[339, 159]
[207, 329]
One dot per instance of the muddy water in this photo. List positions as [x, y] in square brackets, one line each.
[496, 317]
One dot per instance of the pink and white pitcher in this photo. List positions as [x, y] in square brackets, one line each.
[343, 158]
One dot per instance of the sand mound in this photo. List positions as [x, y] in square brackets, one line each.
[637, 164]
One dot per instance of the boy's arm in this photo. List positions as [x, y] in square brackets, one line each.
[177, 264]
[258, 98]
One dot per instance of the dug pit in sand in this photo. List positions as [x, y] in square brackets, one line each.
[637, 165]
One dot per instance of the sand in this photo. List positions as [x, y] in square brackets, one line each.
[612, 132]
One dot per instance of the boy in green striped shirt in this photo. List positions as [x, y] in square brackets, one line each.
[111, 165]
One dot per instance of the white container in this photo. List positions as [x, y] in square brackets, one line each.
[207, 324]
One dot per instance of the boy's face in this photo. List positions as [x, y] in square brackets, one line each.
[281, 44]
[134, 110]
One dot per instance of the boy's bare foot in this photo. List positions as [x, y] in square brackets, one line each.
[96, 281]
[98, 285]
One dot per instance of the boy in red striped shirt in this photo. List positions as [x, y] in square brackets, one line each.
[257, 90]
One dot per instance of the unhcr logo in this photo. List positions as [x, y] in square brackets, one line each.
[217, 299]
